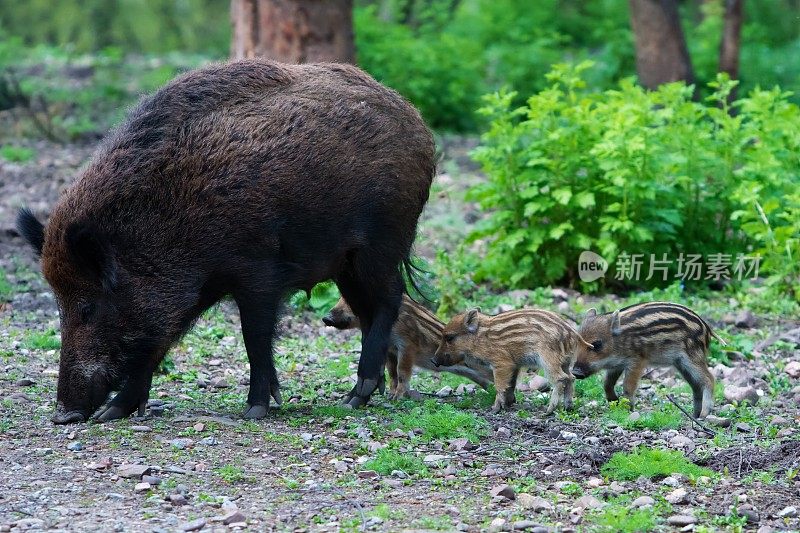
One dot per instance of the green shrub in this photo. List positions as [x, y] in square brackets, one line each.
[627, 170]
[650, 463]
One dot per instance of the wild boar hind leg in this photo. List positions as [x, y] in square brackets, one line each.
[259, 315]
[374, 296]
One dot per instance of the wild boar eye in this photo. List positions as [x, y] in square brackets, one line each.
[450, 338]
[597, 346]
[86, 310]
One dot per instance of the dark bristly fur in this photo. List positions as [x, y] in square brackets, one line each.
[415, 337]
[249, 179]
[532, 338]
[648, 334]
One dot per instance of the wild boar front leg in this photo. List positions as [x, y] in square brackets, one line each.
[134, 395]
[503, 375]
[405, 368]
[259, 316]
[612, 376]
[511, 391]
[631, 381]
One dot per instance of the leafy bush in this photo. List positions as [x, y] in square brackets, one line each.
[627, 170]
[17, 154]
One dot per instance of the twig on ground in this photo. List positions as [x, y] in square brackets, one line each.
[694, 421]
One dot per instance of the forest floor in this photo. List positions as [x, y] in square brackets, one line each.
[440, 463]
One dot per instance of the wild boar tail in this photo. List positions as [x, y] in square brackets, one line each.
[714, 334]
[412, 274]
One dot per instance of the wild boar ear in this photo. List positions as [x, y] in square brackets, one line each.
[615, 328]
[591, 313]
[31, 229]
[91, 251]
[471, 319]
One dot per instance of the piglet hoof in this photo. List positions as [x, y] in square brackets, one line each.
[255, 412]
[112, 412]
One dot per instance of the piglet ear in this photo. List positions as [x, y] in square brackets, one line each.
[31, 229]
[471, 319]
[615, 327]
[91, 250]
[591, 313]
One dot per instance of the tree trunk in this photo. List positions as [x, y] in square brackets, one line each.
[731, 38]
[661, 53]
[293, 31]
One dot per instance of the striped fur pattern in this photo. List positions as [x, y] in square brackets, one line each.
[414, 339]
[661, 334]
[507, 342]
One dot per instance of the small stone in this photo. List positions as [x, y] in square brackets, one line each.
[75, 446]
[745, 319]
[340, 466]
[368, 474]
[234, 517]
[788, 512]
[643, 501]
[115, 496]
[568, 435]
[199, 427]
[133, 471]
[744, 427]
[181, 444]
[142, 487]
[194, 525]
[670, 481]
[503, 432]
[635, 416]
[588, 502]
[152, 480]
[534, 503]
[24, 382]
[177, 499]
[677, 496]
[434, 458]
[451, 470]
[218, 383]
[618, 488]
[506, 491]
[399, 474]
[498, 524]
[778, 420]
[559, 295]
[681, 441]
[594, 482]
[523, 525]
[718, 421]
[444, 392]
[733, 393]
[681, 520]
[539, 383]
[141, 429]
[793, 369]
[461, 444]
[208, 441]
[306, 436]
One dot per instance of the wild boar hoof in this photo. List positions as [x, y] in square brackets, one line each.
[73, 417]
[276, 395]
[355, 402]
[254, 412]
[112, 412]
[365, 387]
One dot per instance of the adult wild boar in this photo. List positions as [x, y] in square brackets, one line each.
[249, 179]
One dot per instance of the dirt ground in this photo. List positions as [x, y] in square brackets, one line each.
[440, 463]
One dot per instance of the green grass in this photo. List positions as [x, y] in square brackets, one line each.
[38, 340]
[667, 417]
[230, 474]
[622, 519]
[441, 421]
[17, 154]
[387, 460]
[650, 463]
[5, 287]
